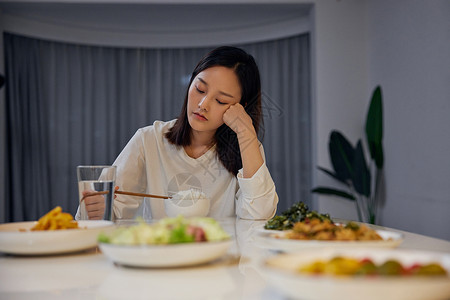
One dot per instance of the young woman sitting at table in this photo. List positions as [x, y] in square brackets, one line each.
[212, 146]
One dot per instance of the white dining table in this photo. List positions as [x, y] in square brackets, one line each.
[91, 275]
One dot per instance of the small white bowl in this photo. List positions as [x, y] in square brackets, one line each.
[191, 203]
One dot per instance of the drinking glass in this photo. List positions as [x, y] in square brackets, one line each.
[98, 180]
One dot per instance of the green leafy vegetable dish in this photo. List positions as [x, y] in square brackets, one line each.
[167, 231]
[296, 213]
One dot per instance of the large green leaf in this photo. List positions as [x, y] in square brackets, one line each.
[341, 155]
[374, 128]
[331, 191]
[361, 174]
[333, 175]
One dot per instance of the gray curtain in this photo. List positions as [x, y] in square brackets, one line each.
[69, 105]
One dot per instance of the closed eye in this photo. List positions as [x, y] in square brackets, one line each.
[198, 90]
[220, 102]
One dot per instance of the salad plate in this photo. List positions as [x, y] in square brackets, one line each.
[17, 238]
[275, 241]
[169, 242]
[171, 255]
[282, 272]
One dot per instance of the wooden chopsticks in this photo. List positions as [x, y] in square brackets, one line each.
[125, 193]
[141, 195]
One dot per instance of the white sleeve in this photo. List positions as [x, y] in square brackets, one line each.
[256, 198]
[131, 176]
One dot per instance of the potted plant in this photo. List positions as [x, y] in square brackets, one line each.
[361, 180]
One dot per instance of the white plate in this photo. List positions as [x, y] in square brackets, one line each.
[174, 255]
[270, 241]
[281, 273]
[44, 242]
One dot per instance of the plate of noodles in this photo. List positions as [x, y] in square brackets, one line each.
[317, 234]
[54, 233]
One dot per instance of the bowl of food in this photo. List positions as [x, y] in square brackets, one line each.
[170, 242]
[54, 233]
[360, 273]
[189, 203]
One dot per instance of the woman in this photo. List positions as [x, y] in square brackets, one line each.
[212, 146]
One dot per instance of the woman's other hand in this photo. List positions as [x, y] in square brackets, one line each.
[116, 188]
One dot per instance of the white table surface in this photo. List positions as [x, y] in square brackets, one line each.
[90, 275]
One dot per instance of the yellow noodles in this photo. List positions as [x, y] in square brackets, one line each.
[55, 220]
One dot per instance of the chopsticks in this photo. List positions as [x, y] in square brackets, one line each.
[141, 195]
[125, 193]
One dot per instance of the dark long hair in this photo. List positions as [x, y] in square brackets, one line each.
[245, 68]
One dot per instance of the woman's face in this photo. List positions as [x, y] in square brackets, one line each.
[211, 93]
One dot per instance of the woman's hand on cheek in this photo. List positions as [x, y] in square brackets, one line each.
[238, 120]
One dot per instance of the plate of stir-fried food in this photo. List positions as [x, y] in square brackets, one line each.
[299, 228]
[321, 233]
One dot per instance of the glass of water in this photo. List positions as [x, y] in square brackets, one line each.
[96, 185]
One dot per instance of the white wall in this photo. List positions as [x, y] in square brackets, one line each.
[404, 46]
[341, 87]
[410, 57]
